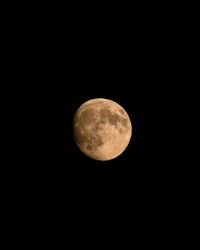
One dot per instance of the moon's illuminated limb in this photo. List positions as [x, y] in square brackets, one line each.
[102, 129]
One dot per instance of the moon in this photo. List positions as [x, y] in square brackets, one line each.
[102, 129]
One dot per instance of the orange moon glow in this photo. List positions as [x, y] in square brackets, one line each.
[102, 129]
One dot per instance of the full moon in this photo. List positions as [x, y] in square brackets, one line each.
[102, 129]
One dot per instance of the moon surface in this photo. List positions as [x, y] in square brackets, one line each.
[102, 129]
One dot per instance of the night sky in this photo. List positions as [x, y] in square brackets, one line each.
[126, 66]
[131, 60]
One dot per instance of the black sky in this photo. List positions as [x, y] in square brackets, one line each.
[130, 59]
[128, 63]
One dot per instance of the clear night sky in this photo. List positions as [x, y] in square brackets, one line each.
[126, 69]
[129, 61]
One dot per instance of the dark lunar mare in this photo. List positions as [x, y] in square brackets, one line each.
[82, 135]
[113, 118]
